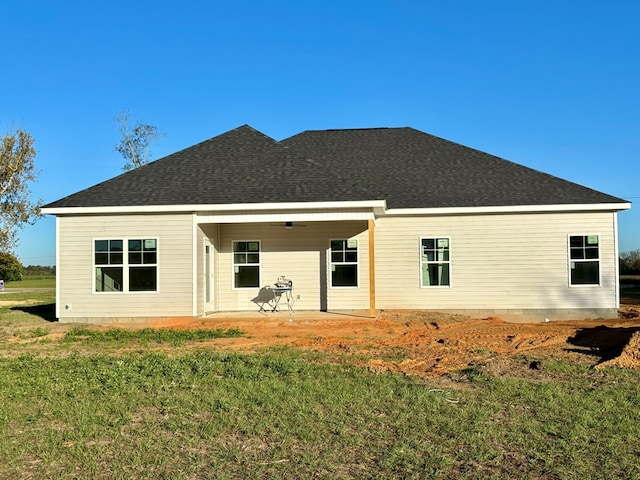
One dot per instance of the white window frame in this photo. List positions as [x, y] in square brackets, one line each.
[332, 263]
[125, 265]
[234, 264]
[434, 262]
[570, 261]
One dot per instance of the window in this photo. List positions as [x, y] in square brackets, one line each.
[126, 265]
[143, 266]
[108, 265]
[435, 262]
[344, 263]
[246, 264]
[584, 260]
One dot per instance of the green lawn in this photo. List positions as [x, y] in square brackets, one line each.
[113, 405]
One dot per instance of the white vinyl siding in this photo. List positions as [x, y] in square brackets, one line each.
[502, 261]
[75, 269]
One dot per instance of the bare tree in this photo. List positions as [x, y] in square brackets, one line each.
[630, 262]
[135, 140]
[17, 170]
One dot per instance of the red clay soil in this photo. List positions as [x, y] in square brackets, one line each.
[431, 344]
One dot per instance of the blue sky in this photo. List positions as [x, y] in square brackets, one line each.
[553, 85]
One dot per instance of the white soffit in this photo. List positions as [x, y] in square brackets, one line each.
[285, 217]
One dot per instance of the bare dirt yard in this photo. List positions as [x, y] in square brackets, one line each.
[431, 344]
[425, 344]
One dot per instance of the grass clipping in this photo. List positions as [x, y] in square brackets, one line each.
[630, 356]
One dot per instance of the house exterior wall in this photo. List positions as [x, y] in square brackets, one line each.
[77, 300]
[302, 255]
[501, 261]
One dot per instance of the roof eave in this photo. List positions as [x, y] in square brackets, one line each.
[588, 207]
[378, 206]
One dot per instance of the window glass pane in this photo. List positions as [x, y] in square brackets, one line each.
[351, 256]
[149, 257]
[435, 274]
[426, 280]
[150, 244]
[101, 245]
[438, 274]
[142, 279]
[253, 258]
[351, 245]
[576, 241]
[577, 253]
[344, 276]
[253, 246]
[108, 279]
[239, 246]
[115, 245]
[428, 243]
[591, 252]
[443, 255]
[135, 258]
[135, 245]
[337, 245]
[240, 258]
[115, 258]
[247, 276]
[102, 258]
[337, 257]
[585, 273]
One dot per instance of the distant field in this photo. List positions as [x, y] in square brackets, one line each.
[33, 282]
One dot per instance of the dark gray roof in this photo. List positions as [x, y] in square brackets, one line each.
[412, 169]
[406, 167]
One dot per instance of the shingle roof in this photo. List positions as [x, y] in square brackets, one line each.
[412, 169]
[408, 168]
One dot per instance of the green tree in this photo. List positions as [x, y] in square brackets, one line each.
[17, 170]
[135, 140]
[10, 268]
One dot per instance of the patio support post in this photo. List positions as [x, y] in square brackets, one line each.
[372, 270]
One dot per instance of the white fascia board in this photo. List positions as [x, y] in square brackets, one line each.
[593, 207]
[375, 205]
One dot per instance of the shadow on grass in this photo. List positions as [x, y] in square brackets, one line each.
[604, 342]
[46, 311]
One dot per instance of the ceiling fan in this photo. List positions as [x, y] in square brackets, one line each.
[288, 225]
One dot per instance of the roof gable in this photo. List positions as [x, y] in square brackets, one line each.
[239, 166]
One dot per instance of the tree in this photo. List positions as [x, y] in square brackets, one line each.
[630, 262]
[135, 141]
[17, 170]
[10, 268]
[39, 271]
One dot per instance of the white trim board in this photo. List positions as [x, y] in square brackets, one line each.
[378, 205]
